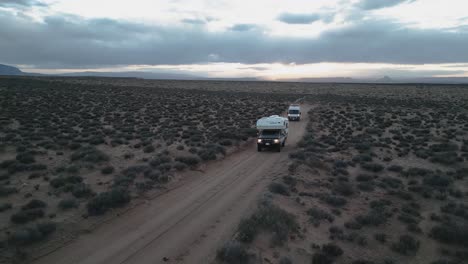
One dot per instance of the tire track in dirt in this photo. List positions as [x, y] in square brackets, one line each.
[187, 224]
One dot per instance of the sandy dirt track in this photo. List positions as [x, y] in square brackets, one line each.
[187, 224]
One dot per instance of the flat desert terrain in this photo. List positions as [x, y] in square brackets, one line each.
[117, 170]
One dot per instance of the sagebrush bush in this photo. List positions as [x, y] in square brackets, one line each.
[107, 200]
[29, 235]
[68, 203]
[232, 252]
[107, 170]
[278, 188]
[406, 245]
[269, 218]
[25, 216]
[189, 160]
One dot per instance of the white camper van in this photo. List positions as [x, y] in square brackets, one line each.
[294, 112]
[272, 132]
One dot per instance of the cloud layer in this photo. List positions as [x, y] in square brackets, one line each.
[60, 40]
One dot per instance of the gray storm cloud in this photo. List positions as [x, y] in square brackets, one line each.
[291, 18]
[71, 41]
[19, 3]
[377, 4]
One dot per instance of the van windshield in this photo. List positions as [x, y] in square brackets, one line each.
[294, 112]
[269, 134]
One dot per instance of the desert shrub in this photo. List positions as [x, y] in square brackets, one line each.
[5, 206]
[374, 167]
[374, 217]
[207, 154]
[437, 180]
[458, 209]
[291, 181]
[343, 188]
[189, 160]
[68, 203]
[451, 234]
[362, 261]
[81, 190]
[25, 216]
[332, 250]
[278, 188]
[414, 228]
[179, 166]
[25, 158]
[443, 147]
[447, 158]
[333, 200]
[362, 158]
[149, 149]
[321, 258]
[417, 172]
[106, 200]
[285, 260]
[364, 177]
[445, 261]
[6, 190]
[33, 204]
[395, 168]
[61, 181]
[317, 215]
[225, 142]
[381, 237]
[107, 170]
[406, 245]
[269, 218]
[29, 235]
[89, 154]
[232, 252]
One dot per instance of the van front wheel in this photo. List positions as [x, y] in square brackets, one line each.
[259, 149]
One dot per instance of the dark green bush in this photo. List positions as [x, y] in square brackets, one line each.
[451, 234]
[6, 190]
[5, 206]
[334, 200]
[278, 188]
[343, 188]
[232, 252]
[89, 154]
[317, 215]
[29, 235]
[149, 149]
[189, 160]
[68, 203]
[25, 216]
[107, 200]
[374, 167]
[25, 158]
[332, 250]
[269, 218]
[107, 170]
[320, 258]
[406, 245]
[33, 204]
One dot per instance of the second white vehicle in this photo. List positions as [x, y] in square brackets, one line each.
[294, 112]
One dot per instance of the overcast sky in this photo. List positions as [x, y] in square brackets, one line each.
[270, 39]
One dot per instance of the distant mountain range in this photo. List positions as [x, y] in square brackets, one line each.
[10, 70]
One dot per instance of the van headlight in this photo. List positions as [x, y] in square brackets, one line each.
[259, 141]
[276, 140]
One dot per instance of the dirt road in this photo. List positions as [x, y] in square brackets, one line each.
[187, 224]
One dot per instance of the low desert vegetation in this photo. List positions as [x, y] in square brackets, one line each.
[71, 150]
[377, 178]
